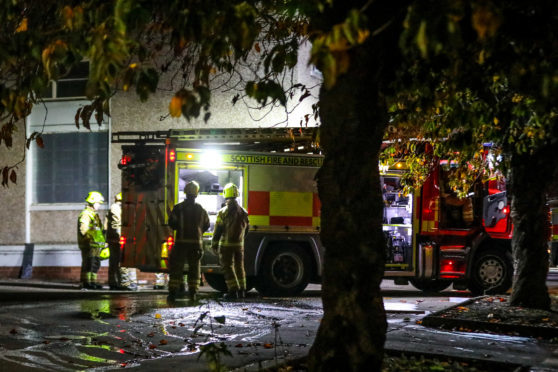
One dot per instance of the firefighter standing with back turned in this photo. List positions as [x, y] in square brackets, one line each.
[113, 226]
[190, 220]
[90, 240]
[228, 239]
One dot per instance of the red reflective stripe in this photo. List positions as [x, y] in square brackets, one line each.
[292, 221]
[258, 203]
[451, 247]
[316, 206]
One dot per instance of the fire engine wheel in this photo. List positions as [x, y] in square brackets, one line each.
[492, 273]
[427, 285]
[216, 281]
[285, 271]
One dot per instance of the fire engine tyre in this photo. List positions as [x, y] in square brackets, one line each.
[285, 271]
[427, 285]
[491, 273]
[216, 281]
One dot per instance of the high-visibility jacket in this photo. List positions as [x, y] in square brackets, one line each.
[231, 225]
[113, 222]
[190, 221]
[90, 229]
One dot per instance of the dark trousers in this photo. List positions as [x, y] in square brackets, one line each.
[114, 275]
[182, 253]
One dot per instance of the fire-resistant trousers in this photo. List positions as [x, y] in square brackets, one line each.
[114, 274]
[90, 263]
[232, 261]
[182, 253]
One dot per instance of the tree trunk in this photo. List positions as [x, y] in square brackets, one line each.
[352, 332]
[528, 179]
[353, 114]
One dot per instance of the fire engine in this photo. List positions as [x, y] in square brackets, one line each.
[432, 241]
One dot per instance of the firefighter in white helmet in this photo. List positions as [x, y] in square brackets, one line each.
[90, 240]
[228, 240]
[113, 227]
[190, 220]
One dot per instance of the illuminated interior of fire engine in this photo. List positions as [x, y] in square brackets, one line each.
[397, 221]
[211, 184]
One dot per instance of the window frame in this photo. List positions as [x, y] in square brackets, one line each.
[52, 117]
[53, 87]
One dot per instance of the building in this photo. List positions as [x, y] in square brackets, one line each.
[39, 214]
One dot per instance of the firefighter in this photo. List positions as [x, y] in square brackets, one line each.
[113, 226]
[228, 240]
[90, 240]
[190, 220]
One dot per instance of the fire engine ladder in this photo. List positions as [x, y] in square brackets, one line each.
[300, 140]
[139, 137]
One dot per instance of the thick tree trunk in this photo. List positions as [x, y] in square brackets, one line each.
[353, 114]
[528, 178]
[352, 333]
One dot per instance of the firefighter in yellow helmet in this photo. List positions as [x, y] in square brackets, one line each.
[228, 240]
[90, 240]
[190, 220]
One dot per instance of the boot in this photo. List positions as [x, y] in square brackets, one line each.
[231, 295]
[192, 294]
[87, 283]
[94, 283]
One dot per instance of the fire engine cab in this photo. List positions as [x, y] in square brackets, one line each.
[433, 238]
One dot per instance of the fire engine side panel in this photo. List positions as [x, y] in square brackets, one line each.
[143, 213]
[399, 226]
[283, 197]
[283, 208]
[143, 219]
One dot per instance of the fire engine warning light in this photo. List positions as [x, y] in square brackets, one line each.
[125, 159]
[172, 156]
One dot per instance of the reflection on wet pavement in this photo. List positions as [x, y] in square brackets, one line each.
[121, 330]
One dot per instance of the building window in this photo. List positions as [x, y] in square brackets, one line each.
[71, 85]
[69, 166]
[72, 162]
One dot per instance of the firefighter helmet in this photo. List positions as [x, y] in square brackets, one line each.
[95, 197]
[118, 197]
[230, 191]
[192, 188]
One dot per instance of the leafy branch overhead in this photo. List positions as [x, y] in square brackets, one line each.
[132, 46]
[473, 79]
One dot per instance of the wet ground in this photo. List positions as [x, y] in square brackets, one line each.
[135, 330]
[143, 332]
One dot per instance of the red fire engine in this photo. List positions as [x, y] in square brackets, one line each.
[433, 238]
